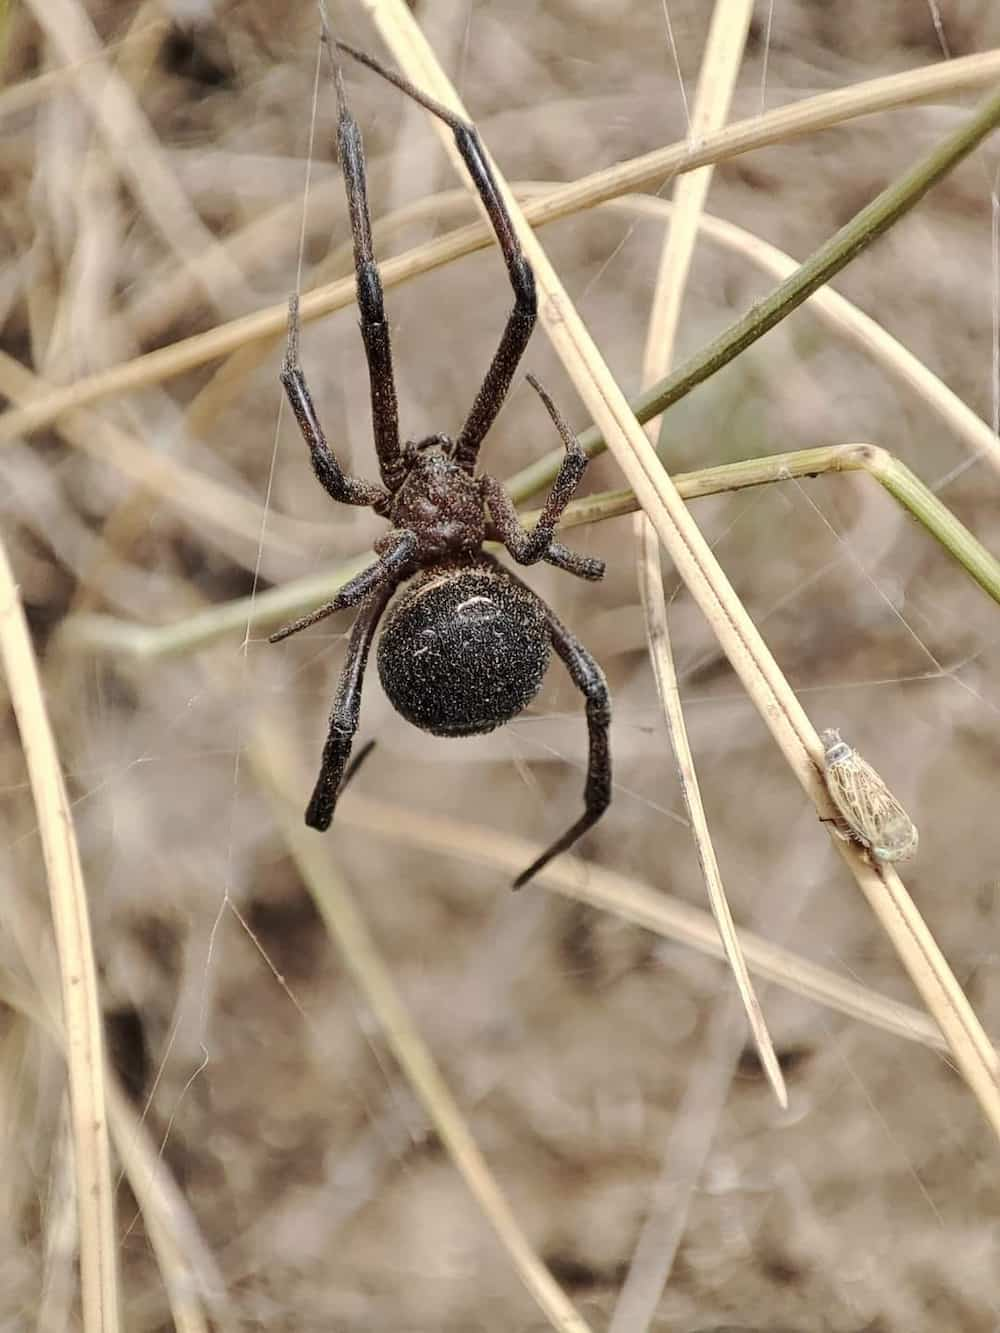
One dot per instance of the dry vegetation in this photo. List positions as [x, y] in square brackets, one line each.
[597, 1058]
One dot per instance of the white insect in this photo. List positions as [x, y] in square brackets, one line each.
[872, 814]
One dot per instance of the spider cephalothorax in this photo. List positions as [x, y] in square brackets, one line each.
[465, 647]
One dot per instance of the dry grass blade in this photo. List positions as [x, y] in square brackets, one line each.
[161, 301]
[697, 1117]
[185, 1263]
[81, 1011]
[22, 96]
[689, 1144]
[218, 509]
[737, 635]
[903, 924]
[189, 1273]
[276, 773]
[809, 115]
[720, 65]
[61, 1241]
[136, 150]
[661, 656]
[665, 915]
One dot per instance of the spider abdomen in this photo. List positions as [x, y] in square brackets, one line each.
[463, 651]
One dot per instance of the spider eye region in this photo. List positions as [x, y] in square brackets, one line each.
[463, 651]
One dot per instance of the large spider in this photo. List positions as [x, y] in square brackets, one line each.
[466, 646]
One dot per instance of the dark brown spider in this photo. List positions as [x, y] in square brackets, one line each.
[465, 647]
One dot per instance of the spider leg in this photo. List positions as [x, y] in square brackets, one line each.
[398, 548]
[346, 710]
[571, 562]
[528, 547]
[588, 677]
[374, 326]
[348, 490]
[521, 320]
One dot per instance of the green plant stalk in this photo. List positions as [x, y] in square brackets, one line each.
[109, 634]
[832, 256]
[244, 615]
[902, 484]
[938, 519]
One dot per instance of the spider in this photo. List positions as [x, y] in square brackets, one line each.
[465, 647]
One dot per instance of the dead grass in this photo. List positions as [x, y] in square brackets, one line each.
[302, 1186]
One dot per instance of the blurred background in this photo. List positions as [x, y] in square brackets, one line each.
[581, 1048]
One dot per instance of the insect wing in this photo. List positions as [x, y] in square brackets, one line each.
[874, 815]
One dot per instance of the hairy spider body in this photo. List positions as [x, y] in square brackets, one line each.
[465, 646]
[463, 651]
[441, 503]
